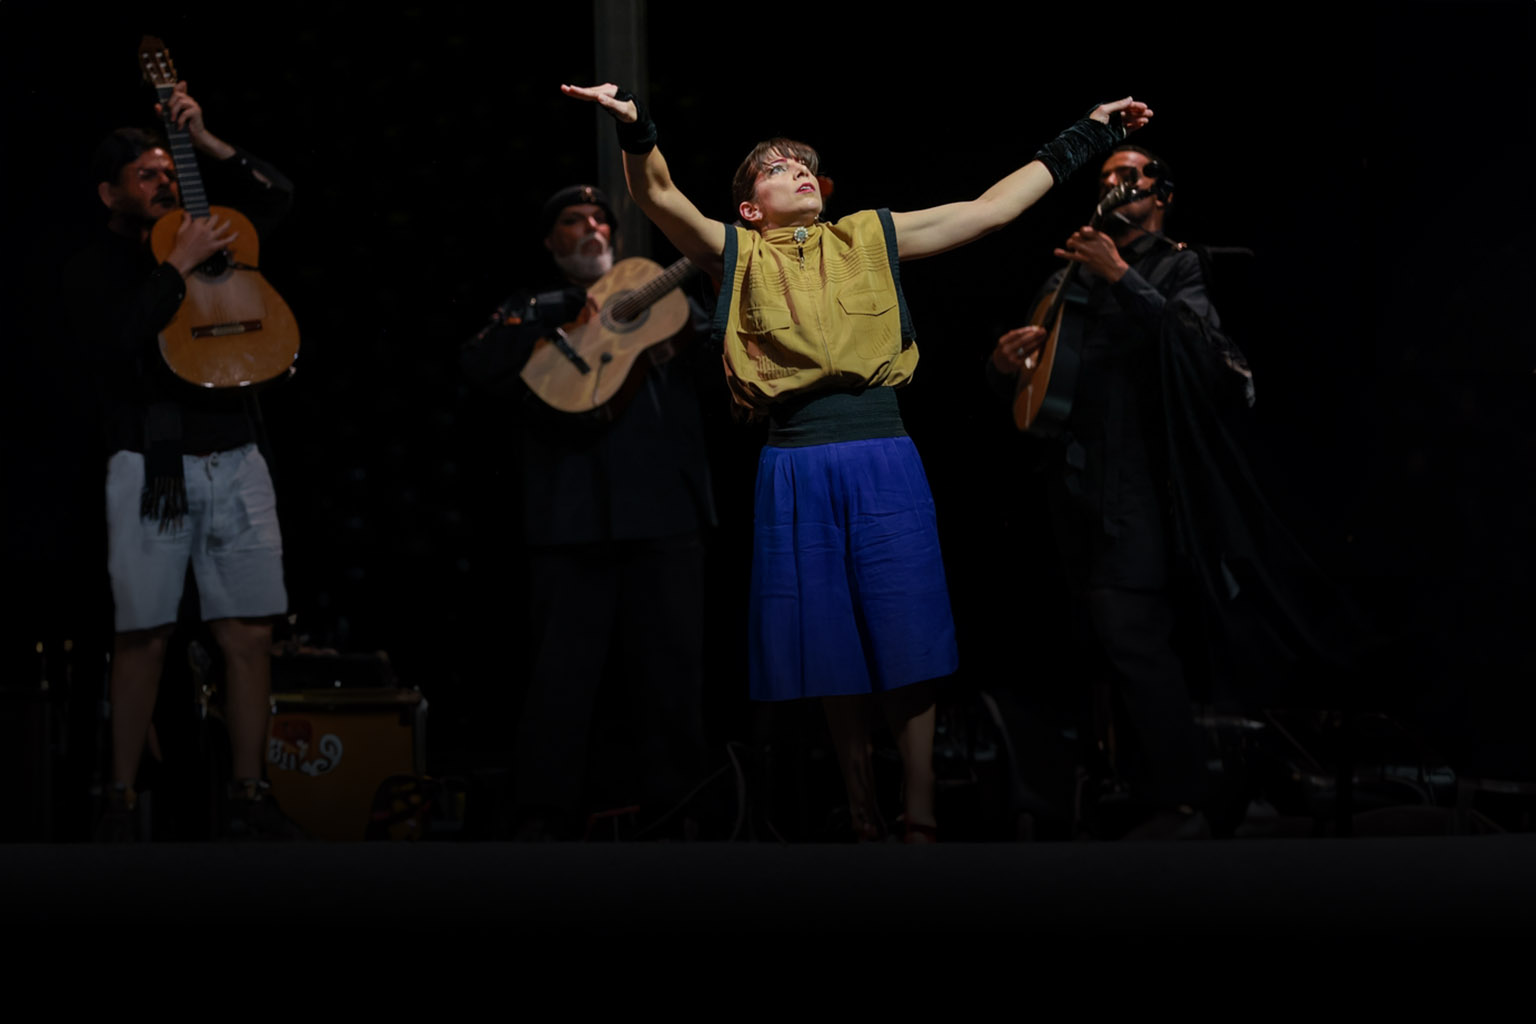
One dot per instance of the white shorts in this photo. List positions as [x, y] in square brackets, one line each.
[230, 535]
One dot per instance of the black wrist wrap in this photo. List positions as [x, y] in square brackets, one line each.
[1078, 144]
[637, 136]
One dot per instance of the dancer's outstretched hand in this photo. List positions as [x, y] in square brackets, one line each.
[603, 96]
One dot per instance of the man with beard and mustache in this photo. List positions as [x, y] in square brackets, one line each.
[1109, 491]
[612, 514]
[185, 481]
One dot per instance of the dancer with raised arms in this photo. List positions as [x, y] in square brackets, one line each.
[849, 602]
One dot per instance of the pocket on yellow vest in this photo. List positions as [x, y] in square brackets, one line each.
[873, 322]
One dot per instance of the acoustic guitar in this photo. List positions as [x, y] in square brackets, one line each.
[586, 366]
[233, 329]
[1042, 398]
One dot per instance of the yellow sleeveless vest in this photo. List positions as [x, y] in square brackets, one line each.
[825, 314]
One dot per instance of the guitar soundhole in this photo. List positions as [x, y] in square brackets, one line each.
[611, 319]
[214, 265]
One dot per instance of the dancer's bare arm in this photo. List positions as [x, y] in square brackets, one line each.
[941, 228]
[696, 236]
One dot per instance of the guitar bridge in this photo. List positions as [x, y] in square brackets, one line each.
[221, 330]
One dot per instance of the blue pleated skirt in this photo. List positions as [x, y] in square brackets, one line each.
[848, 592]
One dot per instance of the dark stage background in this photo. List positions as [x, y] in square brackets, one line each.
[1373, 158]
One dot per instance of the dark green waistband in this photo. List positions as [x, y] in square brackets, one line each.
[829, 416]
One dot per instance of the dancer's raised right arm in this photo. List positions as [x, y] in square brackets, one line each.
[696, 236]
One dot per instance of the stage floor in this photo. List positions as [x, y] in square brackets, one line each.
[1324, 887]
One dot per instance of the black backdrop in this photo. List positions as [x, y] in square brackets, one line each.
[1363, 153]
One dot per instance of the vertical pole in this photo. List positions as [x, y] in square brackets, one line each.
[620, 56]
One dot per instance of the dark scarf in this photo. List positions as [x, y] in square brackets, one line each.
[165, 487]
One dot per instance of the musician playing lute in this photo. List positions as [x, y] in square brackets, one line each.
[1146, 321]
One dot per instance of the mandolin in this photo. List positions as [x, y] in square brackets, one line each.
[585, 367]
[1047, 381]
[232, 329]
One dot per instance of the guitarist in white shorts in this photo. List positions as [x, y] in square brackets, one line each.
[185, 481]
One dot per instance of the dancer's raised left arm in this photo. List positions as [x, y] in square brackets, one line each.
[941, 228]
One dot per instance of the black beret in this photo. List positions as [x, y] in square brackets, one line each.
[575, 195]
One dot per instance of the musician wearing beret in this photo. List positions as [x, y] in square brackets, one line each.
[614, 503]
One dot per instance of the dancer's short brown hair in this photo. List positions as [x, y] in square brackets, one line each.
[744, 184]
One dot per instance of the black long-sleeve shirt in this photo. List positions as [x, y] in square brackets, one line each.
[1108, 492]
[118, 299]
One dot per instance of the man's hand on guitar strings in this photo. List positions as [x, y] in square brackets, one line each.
[186, 114]
[198, 239]
[1095, 251]
[1016, 349]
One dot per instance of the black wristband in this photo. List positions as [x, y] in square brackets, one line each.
[1077, 144]
[637, 136]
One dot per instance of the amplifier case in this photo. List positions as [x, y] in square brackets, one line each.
[329, 752]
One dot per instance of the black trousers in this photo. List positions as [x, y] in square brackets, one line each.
[1162, 759]
[641, 601]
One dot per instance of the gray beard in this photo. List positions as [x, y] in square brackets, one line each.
[579, 266]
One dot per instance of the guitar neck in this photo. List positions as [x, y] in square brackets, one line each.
[644, 297]
[194, 198]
